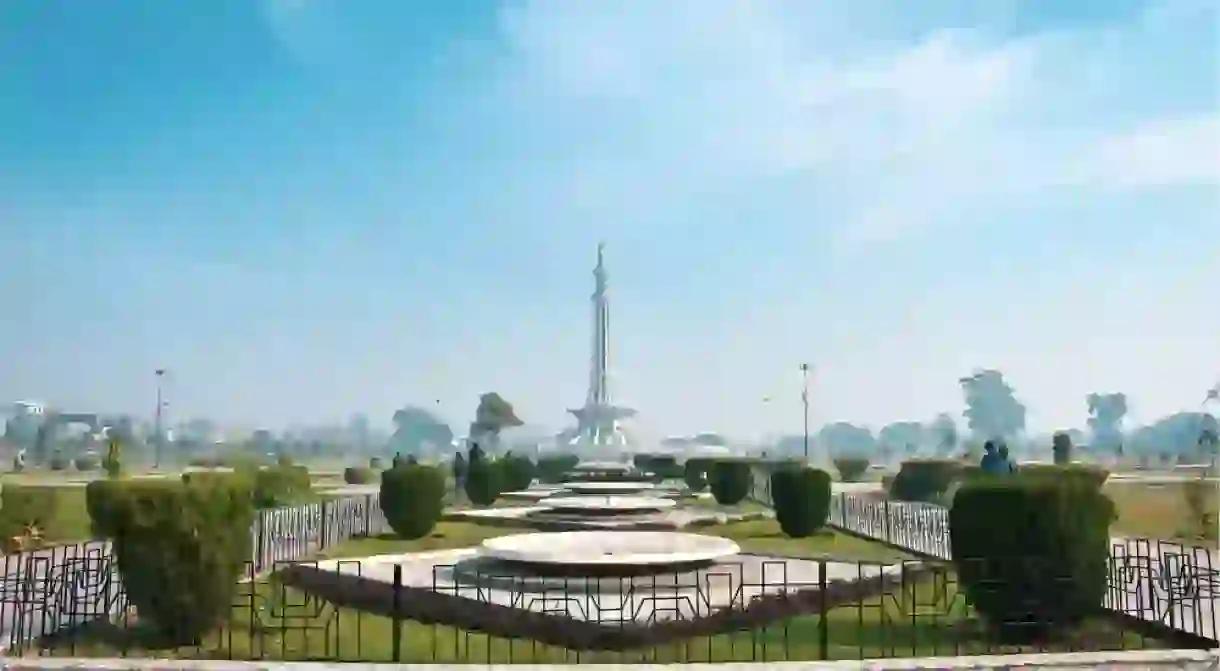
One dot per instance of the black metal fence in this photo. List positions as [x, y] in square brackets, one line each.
[450, 608]
[1164, 583]
[45, 591]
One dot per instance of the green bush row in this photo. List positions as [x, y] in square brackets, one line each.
[731, 481]
[801, 498]
[1031, 551]
[268, 486]
[662, 466]
[925, 480]
[84, 462]
[180, 545]
[359, 475]
[412, 499]
[851, 469]
[695, 473]
[553, 469]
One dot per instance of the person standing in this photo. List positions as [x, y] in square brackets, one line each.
[1006, 464]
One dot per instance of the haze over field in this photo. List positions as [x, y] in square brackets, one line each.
[309, 208]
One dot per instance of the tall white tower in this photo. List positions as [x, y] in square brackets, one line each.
[598, 421]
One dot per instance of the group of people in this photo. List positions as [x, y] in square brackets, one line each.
[996, 459]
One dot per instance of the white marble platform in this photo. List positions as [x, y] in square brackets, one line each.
[609, 548]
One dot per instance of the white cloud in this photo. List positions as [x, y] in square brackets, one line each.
[1157, 154]
[714, 93]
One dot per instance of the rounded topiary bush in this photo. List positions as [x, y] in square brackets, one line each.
[1061, 448]
[517, 472]
[58, 462]
[88, 462]
[925, 480]
[851, 469]
[358, 475]
[554, 468]
[662, 466]
[694, 474]
[730, 481]
[801, 497]
[1031, 553]
[181, 548]
[484, 481]
[412, 499]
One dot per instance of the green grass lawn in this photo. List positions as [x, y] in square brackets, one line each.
[1160, 510]
[66, 520]
[269, 621]
[762, 536]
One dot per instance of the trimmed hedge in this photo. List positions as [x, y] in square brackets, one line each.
[730, 480]
[801, 498]
[101, 500]
[851, 469]
[925, 480]
[663, 466]
[58, 462]
[1061, 448]
[88, 462]
[412, 499]
[1031, 552]
[277, 486]
[359, 475]
[553, 469]
[483, 481]
[268, 487]
[695, 472]
[180, 546]
[376, 463]
[517, 472]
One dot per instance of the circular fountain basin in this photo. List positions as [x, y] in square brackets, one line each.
[529, 494]
[602, 467]
[608, 487]
[606, 505]
[609, 548]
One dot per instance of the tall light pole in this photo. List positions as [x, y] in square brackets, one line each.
[805, 404]
[157, 430]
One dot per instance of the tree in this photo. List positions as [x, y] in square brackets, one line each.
[493, 415]
[847, 439]
[899, 437]
[1106, 412]
[945, 431]
[992, 409]
[416, 428]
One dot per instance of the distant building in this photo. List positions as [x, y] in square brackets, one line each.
[29, 408]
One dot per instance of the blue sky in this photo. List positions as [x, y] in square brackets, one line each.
[305, 208]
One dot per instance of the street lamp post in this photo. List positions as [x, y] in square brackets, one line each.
[805, 404]
[157, 429]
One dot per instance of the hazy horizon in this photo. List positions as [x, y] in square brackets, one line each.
[306, 209]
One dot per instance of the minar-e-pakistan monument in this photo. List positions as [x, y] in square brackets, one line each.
[599, 421]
